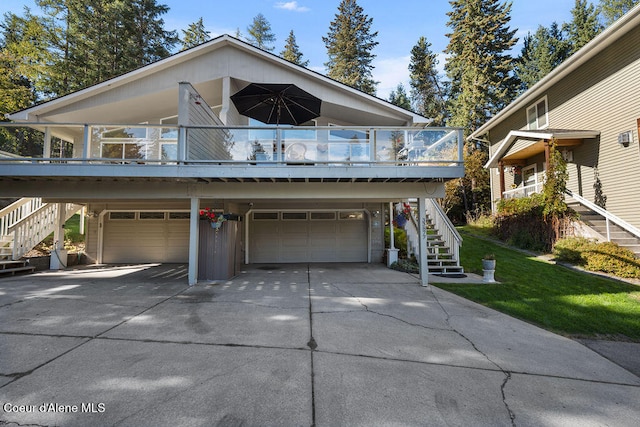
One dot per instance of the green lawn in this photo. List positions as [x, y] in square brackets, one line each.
[551, 296]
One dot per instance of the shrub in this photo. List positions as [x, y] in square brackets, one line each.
[605, 257]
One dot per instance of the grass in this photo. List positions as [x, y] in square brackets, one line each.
[556, 298]
[73, 240]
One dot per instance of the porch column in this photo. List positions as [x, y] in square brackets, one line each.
[422, 238]
[502, 185]
[194, 235]
[58, 258]
[392, 252]
[46, 148]
[547, 153]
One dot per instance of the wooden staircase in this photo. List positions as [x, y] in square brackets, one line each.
[14, 267]
[24, 224]
[442, 251]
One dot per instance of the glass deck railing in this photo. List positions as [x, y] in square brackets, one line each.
[165, 144]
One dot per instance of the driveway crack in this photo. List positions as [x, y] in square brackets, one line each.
[506, 373]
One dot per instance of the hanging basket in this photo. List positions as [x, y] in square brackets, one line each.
[215, 225]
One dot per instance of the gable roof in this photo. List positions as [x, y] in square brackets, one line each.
[225, 40]
[601, 42]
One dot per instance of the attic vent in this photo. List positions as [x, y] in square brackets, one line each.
[625, 138]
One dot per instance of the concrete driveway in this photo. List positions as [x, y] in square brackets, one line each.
[286, 345]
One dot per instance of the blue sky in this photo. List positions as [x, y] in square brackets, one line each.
[399, 24]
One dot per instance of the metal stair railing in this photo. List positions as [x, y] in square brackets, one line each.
[608, 216]
[34, 228]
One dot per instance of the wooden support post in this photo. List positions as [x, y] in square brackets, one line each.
[502, 185]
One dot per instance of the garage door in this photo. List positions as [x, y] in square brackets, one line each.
[330, 236]
[146, 237]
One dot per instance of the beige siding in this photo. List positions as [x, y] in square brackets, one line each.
[602, 95]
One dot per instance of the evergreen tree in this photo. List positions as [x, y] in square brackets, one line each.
[147, 40]
[584, 25]
[260, 34]
[479, 66]
[541, 53]
[611, 10]
[292, 52]
[349, 44]
[93, 40]
[25, 58]
[426, 90]
[481, 83]
[399, 97]
[194, 35]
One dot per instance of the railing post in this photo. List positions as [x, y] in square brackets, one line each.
[608, 230]
[86, 147]
[182, 144]
[279, 152]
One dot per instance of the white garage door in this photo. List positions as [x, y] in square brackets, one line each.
[131, 237]
[329, 236]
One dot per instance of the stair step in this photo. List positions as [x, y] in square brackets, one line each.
[13, 271]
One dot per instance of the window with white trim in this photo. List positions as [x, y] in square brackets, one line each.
[538, 115]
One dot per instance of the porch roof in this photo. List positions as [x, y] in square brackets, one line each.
[520, 145]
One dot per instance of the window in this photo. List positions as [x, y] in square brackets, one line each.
[151, 215]
[294, 216]
[350, 216]
[323, 215]
[122, 215]
[179, 215]
[537, 117]
[257, 216]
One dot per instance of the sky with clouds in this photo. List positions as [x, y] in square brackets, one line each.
[399, 25]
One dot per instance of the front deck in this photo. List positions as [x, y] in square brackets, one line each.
[231, 154]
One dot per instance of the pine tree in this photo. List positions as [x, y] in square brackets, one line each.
[349, 44]
[481, 83]
[479, 66]
[584, 25]
[260, 34]
[292, 52]
[399, 97]
[90, 41]
[194, 35]
[612, 10]
[541, 53]
[146, 38]
[25, 57]
[426, 90]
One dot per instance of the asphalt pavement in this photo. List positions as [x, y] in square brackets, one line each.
[285, 345]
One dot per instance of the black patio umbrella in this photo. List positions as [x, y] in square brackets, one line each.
[275, 103]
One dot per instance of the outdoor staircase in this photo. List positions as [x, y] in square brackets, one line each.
[609, 230]
[13, 267]
[24, 224]
[443, 241]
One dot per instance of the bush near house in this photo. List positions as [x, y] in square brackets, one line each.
[522, 223]
[605, 257]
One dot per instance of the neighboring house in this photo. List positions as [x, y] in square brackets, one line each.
[154, 147]
[590, 107]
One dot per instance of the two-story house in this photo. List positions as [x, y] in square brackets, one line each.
[590, 107]
[156, 146]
